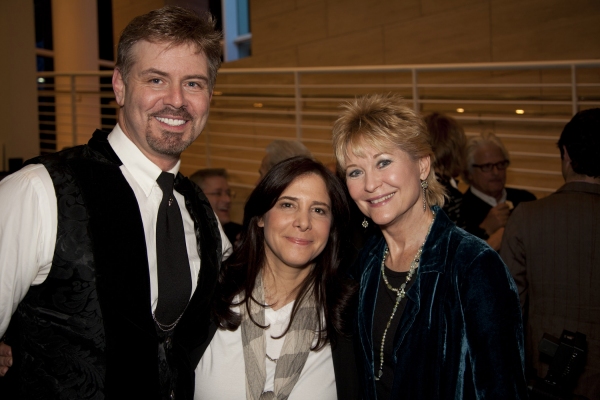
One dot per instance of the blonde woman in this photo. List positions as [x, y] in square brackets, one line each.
[438, 313]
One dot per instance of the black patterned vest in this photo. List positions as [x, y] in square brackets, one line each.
[87, 332]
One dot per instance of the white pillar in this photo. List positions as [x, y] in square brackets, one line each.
[75, 38]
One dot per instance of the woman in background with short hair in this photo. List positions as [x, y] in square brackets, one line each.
[448, 142]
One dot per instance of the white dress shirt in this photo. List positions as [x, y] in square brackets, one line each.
[221, 373]
[489, 199]
[28, 224]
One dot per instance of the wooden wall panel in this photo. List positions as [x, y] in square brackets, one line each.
[442, 6]
[287, 57]
[520, 179]
[421, 31]
[355, 16]
[546, 163]
[261, 9]
[545, 30]
[298, 26]
[363, 47]
[456, 36]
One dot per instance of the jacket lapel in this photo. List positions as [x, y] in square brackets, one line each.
[118, 235]
[369, 286]
[431, 266]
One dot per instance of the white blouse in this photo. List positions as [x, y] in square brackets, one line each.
[221, 375]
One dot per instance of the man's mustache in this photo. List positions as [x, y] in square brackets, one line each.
[173, 112]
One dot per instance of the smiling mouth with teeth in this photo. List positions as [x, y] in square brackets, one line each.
[384, 198]
[171, 121]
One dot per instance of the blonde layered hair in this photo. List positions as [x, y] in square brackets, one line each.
[384, 121]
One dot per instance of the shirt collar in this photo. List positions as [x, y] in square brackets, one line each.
[144, 171]
[489, 199]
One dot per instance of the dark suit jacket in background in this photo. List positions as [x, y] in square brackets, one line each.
[474, 210]
[231, 230]
[552, 248]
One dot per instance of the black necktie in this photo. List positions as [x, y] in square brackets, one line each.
[174, 281]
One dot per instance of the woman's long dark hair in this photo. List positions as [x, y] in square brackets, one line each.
[332, 292]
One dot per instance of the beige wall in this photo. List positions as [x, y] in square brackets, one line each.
[373, 32]
[18, 100]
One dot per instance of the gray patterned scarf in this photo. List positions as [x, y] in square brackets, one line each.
[296, 346]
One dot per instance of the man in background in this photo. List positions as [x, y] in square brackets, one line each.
[214, 184]
[487, 204]
[552, 248]
[108, 256]
[279, 150]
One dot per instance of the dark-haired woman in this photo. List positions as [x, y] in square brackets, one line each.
[449, 143]
[281, 301]
[438, 312]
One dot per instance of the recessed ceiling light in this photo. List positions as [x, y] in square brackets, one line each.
[258, 105]
[460, 110]
[520, 111]
[41, 80]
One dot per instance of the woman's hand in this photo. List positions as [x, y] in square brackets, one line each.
[5, 358]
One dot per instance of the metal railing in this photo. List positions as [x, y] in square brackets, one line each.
[525, 103]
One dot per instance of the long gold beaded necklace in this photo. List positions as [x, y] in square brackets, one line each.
[400, 293]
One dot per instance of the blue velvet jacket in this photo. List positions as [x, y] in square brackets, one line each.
[460, 335]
